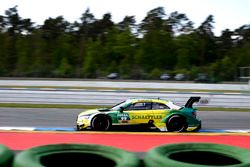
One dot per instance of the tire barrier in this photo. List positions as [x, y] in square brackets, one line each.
[197, 155]
[6, 156]
[65, 155]
[169, 155]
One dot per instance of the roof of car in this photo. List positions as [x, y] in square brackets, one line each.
[148, 99]
[157, 100]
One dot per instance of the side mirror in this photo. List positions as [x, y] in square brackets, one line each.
[121, 109]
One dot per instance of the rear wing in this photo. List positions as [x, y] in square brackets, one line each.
[191, 101]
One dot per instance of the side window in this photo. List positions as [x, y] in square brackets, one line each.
[159, 106]
[140, 106]
[129, 107]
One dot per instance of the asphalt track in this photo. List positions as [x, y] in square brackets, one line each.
[56, 119]
[65, 118]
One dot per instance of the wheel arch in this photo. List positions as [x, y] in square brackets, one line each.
[100, 114]
[165, 120]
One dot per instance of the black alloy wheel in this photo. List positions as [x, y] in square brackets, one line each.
[177, 123]
[101, 122]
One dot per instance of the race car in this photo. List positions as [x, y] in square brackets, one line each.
[153, 113]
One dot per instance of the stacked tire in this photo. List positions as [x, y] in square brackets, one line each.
[6, 156]
[197, 155]
[170, 155]
[70, 155]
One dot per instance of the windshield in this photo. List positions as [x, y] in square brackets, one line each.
[117, 106]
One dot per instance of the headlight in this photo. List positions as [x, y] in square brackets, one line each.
[84, 117]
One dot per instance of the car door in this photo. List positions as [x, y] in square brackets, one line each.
[140, 112]
[160, 111]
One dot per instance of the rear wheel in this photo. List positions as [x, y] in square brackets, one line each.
[176, 123]
[101, 122]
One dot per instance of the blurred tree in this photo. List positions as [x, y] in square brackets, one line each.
[64, 69]
[127, 23]
[13, 26]
[54, 27]
[53, 31]
[2, 24]
[153, 21]
[85, 26]
[207, 46]
[186, 50]
[3, 54]
[23, 56]
[155, 73]
[94, 47]
[242, 35]
[180, 24]
[41, 64]
[13, 21]
[241, 56]
[156, 46]
[119, 48]
[224, 69]
[224, 43]
[92, 62]
[84, 31]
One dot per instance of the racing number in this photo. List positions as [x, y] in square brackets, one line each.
[123, 117]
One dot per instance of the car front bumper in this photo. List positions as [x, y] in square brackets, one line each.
[82, 124]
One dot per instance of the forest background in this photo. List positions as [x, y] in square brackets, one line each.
[92, 48]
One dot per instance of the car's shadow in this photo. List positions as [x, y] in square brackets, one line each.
[128, 128]
[134, 129]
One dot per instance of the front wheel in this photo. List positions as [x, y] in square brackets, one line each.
[176, 123]
[78, 128]
[101, 122]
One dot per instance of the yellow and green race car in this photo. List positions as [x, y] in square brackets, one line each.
[152, 113]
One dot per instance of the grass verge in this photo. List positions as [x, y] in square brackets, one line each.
[69, 106]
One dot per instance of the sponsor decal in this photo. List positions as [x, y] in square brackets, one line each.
[123, 116]
[146, 116]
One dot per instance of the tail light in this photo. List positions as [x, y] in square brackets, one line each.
[194, 114]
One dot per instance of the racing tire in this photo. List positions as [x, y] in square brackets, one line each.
[78, 128]
[6, 156]
[176, 123]
[197, 155]
[65, 155]
[101, 123]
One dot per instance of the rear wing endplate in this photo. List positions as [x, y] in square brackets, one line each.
[191, 101]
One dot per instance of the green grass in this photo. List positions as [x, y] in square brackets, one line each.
[67, 106]
[223, 109]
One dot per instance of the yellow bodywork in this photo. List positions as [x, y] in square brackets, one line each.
[134, 116]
